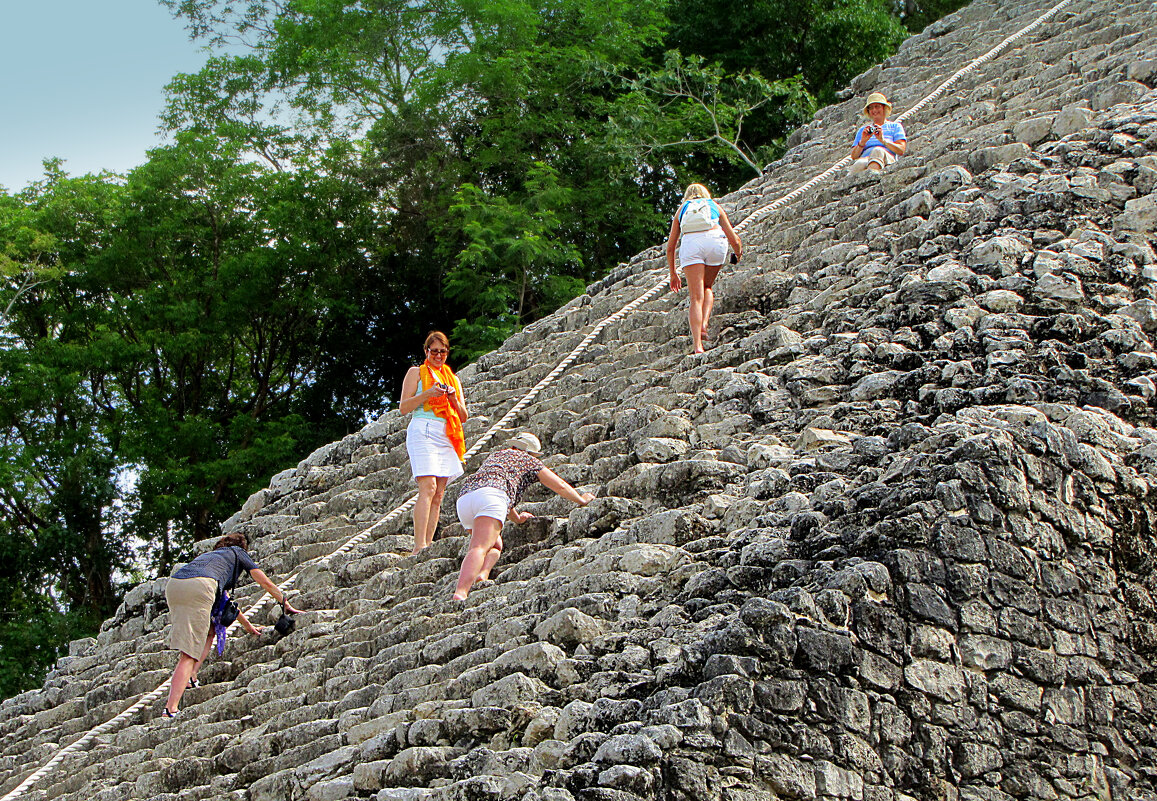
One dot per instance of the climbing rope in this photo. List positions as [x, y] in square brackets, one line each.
[147, 699]
[972, 66]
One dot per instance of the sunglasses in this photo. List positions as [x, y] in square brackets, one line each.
[437, 351]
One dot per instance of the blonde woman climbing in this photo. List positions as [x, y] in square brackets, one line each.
[702, 231]
[434, 437]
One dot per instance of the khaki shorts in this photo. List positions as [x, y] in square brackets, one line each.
[881, 155]
[190, 608]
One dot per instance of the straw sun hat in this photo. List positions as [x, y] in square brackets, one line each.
[877, 97]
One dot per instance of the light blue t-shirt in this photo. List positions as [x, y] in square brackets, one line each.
[421, 410]
[892, 131]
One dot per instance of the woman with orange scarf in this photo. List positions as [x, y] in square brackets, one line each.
[434, 438]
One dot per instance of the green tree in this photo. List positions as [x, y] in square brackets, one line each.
[191, 313]
[224, 280]
[448, 94]
[60, 545]
[825, 42]
[513, 264]
[694, 108]
[918, 14]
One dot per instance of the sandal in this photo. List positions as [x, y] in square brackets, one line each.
[192, 683]
[169, 714]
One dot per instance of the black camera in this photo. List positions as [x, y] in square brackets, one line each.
[285, 625]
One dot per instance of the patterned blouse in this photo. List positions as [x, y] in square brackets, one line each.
[509, 470]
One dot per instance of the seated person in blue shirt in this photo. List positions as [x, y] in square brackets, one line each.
[880, 142]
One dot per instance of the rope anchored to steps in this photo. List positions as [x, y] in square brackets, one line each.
[149, 698]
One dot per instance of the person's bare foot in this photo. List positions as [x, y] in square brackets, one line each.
[457, 597]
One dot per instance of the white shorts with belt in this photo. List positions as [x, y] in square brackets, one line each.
[431, 452]
[703, 247]
[482, 502]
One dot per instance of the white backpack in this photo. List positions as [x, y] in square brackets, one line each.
[697, 216]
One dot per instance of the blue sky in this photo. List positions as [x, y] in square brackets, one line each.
[84, 80]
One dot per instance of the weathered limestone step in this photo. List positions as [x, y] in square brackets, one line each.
[884, 414]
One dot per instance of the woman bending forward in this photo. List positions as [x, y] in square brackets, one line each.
[194, 594]
[489, 496]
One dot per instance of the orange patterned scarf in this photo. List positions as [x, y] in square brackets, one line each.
[443, 406]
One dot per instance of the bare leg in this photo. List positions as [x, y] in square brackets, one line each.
[181, 674]
[427, 486]
[709, 274]
[204, 656]
[435, 510]
[483, 537]
[694, 273]
[491, 559]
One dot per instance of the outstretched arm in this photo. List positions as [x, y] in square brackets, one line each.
[551, 481]
[249, 627]
[259, 576]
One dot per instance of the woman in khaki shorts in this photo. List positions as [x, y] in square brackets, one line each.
[192, 594]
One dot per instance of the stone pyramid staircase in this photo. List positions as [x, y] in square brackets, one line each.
[891, 538]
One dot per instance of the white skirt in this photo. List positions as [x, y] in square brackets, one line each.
[430, 450]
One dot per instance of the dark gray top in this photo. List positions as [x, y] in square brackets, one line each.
[225, 565]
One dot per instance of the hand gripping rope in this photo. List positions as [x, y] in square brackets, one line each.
[146, 700]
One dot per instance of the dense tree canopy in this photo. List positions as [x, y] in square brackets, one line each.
[342, 177]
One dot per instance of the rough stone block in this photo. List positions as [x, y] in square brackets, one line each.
[939, 680]
[987, 157]
[628, 749]
[1071, 120]
[275, 787]
[985, 653]
[788, 777]
[332, 790]
[509, 691]
[418, 765]
[1063, 287]
[1140, 215]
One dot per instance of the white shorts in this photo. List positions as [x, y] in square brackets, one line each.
[881, 155]
[703, 247]
[482, 502]
[431, 452]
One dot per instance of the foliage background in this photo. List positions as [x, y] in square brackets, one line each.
[342, 177]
